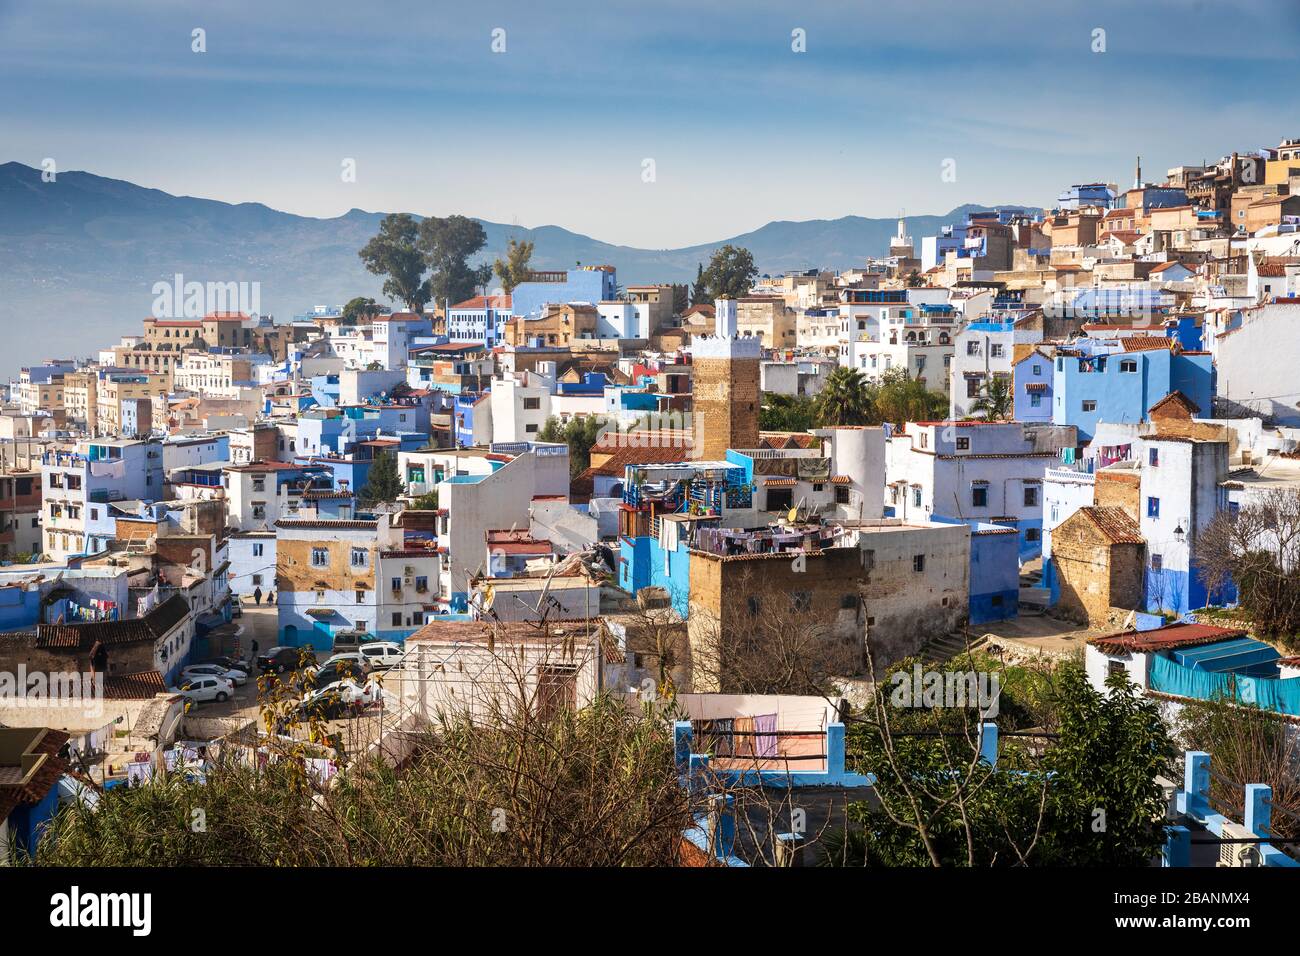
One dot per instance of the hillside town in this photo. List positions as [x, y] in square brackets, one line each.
[744, 509]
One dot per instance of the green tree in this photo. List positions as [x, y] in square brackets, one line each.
[900, 398]
[579, 433]
[681, 298]
[383, 484]
[395, 254]
[699, 292]
[1091, 799]
[426, 502]
[787, 413]
[516, 266]
[358, 307]
[996, 401]
[447, 245]
[847, 398]
[914, 280]
[731, 272]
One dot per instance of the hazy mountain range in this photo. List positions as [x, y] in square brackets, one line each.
[80, 255]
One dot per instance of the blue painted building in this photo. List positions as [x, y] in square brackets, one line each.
[582, 284]
[1119, 386]
[1031, 378]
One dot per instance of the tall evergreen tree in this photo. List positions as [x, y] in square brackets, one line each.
[383, 485]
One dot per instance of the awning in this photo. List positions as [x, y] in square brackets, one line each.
[1036, 387]
[321, 612]
[841, 480]
[780, 483]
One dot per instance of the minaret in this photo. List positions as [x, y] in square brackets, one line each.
[725, 385]
[1137, 174]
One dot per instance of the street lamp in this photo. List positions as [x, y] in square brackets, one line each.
[1179, 533]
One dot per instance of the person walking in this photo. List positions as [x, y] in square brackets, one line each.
[257, 596]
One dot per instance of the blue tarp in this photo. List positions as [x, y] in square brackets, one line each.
[1268, 693]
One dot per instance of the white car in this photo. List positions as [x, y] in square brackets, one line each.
[201, 688]
[382, 654]
[234, 675]
[347, 692]
[356, 656]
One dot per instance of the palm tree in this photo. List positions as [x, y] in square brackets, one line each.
[997, 401]
[847, 398]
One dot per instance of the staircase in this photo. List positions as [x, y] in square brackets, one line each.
[945, 647]
[1034, 597]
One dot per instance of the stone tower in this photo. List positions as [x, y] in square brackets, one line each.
[726, 386]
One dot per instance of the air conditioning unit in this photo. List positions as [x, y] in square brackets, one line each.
[1238, 854]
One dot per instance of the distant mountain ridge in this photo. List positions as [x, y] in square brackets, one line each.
[80, 255]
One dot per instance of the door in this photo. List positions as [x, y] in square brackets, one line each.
[557, 687]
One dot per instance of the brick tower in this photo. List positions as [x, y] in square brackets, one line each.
[726, 390]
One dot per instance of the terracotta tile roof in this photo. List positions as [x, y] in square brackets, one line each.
[1146, 343]
[43, 780]
[141, 686]
[1116, 524]
[151, 627]
[485, 302]
[326, 524]
[1167, 638]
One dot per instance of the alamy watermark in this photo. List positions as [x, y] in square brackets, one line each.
[35, 689]
[950, 689]
[179, 299]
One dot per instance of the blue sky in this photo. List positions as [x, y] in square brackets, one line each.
[554, 131]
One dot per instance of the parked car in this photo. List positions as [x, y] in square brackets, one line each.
[278, 660]
[382, 654]
[350, 641]
[355, 656]
[235, 676]
[203, 688]
[331, 671]
[236, 609]
[234, 663]
[349, 691]
[340, 699]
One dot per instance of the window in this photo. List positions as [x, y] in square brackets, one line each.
[972, 348]
[397, 585]
[397, 620]
[1089, 405]
[800, 601]
[963, 444]
[532, 404]
[995, 351]
[1033, 535]
[94, 514]
[1153, 457]
[1153, 507]
[918, 563]
[1037, 370]
[360, 557]
[361, 597]
[259, 483]
[530, 429]
[1031, 496]
[916, 496]
[849, 602]
[257, 580]
[972, 387]
[421, 584]
[841, 495]
[1128, 365]
[361, 625]
[1035, 400]
[1115, 667]
[979, 496]
[320, 558]
[257, 550]
[1157, 562]
[259, 512]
